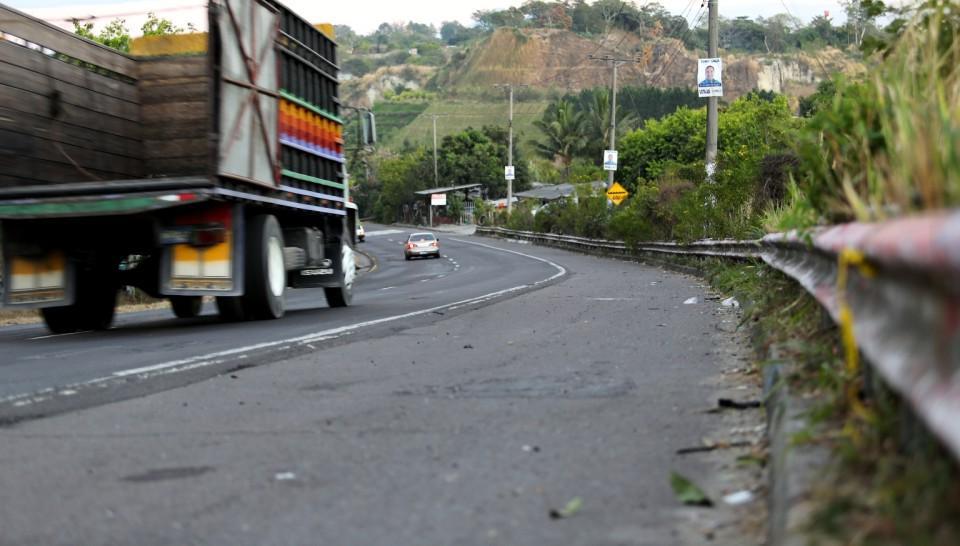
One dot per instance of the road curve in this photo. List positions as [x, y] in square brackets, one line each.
[151, 350]
[551, 416]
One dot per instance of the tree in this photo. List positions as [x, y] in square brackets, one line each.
[861, 18]
[400, 176]
[470, 157]
[776, 31]
[115, 35]
[489, 20]
[585, 19]
[596, 122]
[741, 34]
[155, 26]
[499, 136]
[453, 33]
[562, 128]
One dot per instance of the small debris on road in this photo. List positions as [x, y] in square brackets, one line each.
[687, 492]
[468, 346]
[738, 498]
[533, 449]
[710, 445]
[731, 302]
[690, 301]
[736, 404]
[568, 510]
[284, 476]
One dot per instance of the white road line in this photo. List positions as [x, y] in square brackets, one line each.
[383, 232]
[210, 359]
[387, 288]
[59, 335]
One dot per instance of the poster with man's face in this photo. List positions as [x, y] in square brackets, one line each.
[710, 78]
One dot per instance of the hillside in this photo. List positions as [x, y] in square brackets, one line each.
[552, 62]
[558, 59]
[458, 114]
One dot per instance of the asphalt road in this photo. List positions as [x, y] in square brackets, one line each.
[37, 368]
[465, 424]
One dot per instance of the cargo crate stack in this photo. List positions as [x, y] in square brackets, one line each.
[311, 130]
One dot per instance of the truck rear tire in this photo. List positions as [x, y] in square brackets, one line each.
[186, 306]
[342, 295]
[94, 305]
[266, 274]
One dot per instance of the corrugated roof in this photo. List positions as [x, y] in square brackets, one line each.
[447, 189]
[556, 191]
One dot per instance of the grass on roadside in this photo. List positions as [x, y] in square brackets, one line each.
[126, 302]
[889, 482]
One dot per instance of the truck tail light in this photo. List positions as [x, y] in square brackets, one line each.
[209, 236]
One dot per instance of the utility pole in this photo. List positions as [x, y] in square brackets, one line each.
[712, 114]
[436, 177]
[614, 63]
[510, 87]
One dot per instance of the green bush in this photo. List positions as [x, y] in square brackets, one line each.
[890, 145]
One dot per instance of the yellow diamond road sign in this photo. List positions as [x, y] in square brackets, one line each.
[617, 193]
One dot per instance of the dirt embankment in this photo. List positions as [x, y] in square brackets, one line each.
[558, 59]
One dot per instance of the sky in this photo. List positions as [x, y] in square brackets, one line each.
[364, 16]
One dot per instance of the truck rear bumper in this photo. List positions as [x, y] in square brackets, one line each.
[137, 196]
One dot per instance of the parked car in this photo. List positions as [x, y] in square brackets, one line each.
[361, 233]
[421, 244]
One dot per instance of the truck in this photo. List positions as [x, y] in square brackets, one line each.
[207, 164]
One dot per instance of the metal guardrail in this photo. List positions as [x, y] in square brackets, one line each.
[892, 287]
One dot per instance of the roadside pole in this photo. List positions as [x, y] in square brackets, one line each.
[509, 169]
[712, 114]
[436, 177]
[614, 63]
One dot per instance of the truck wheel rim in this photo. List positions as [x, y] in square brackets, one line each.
[275, 268]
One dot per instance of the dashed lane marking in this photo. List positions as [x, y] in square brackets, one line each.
[240, 353]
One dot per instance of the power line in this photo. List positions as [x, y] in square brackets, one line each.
[682, 47]
[92, 17]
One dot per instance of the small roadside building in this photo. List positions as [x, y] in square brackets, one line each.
[554, 192]
[437, 197]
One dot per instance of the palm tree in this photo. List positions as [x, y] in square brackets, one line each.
[563, 127]
[597, 121]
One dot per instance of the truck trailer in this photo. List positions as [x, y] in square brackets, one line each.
[212, 165]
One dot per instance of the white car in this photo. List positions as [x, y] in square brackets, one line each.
[421, 244]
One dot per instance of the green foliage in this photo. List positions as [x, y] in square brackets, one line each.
[470, 157]
[453, 33]
[455, 206]
[562, 128]
[583, 170]
[482, 212]
[155, 26]
[399, 177]
[635, 219]
[662, 168]
[677, 138]
[585, 214]
[890, 145]
[115, 35]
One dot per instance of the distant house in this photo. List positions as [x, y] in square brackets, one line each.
[546, 194]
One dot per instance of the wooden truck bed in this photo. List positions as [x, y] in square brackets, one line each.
[73, 112]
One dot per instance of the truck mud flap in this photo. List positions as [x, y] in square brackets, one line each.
[38, 280]
[203, 253]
